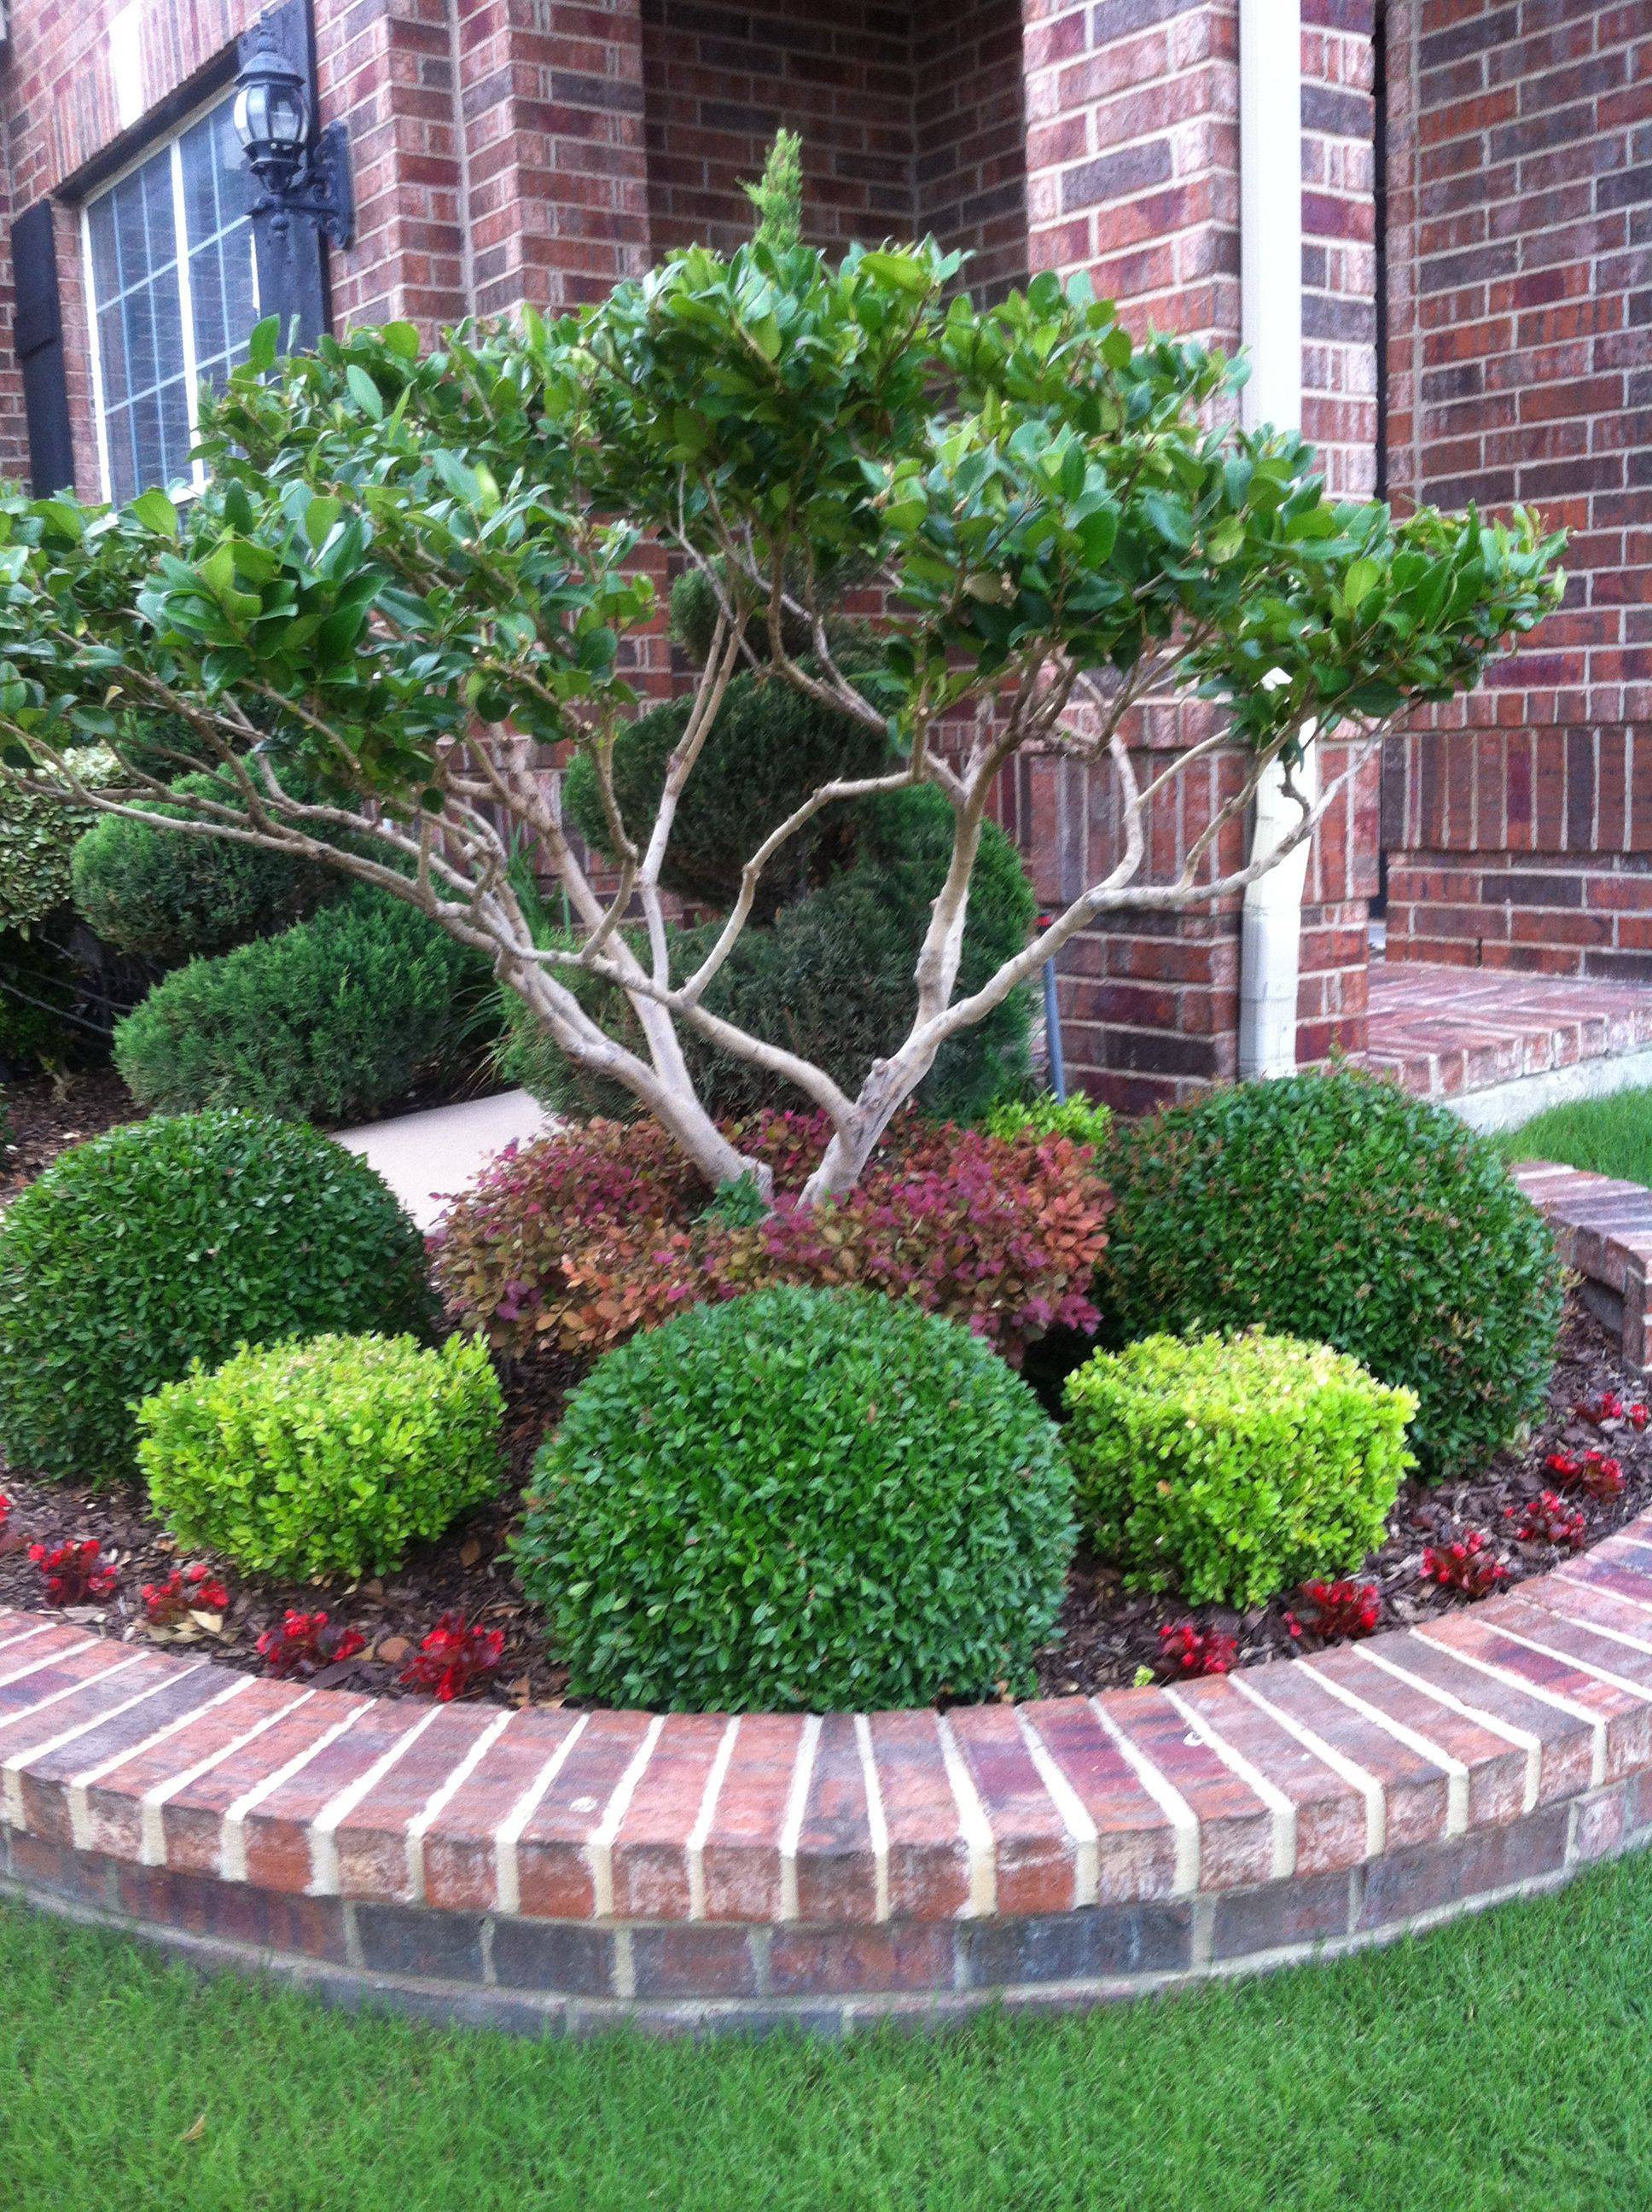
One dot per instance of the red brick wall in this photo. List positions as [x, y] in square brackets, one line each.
[1519, 825]
[1133, 174]
[971, 136]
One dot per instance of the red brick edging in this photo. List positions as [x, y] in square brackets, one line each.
[558, 1870]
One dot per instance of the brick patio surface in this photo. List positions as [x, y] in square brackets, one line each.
[1445, 1032]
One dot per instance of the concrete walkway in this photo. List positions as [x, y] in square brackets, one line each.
[427, 1158]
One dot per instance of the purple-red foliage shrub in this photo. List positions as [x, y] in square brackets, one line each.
[576, 1242]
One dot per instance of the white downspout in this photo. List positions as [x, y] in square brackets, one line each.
[1271, 241]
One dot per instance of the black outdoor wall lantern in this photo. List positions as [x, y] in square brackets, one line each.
[303, 172]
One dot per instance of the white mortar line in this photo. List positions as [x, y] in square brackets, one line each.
[507, 1867]
[1599, 1628]
[1086, 1836]
[1184, 1821]
[324, 1829]
[1572, 1580]
[1281, 1808]
[232, 1860]
[1455, 1772]
[22, 1673]
[72, 1690]
[796, 1805]
[703, 1819]
[1522, 1739]
[877, 1826]
[1561, 1704]
[11, 1767]
[419, 1825]
[80, 1812]
[7, 1642]
[599, 1846]
[152, 1839]
[1583, 1665]
[974, 1825]
[1357, 1776]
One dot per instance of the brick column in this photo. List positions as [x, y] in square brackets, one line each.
[557, 174]
[1133, 160]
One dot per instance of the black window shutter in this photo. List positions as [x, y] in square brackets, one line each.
[291, 252]
[38, 339]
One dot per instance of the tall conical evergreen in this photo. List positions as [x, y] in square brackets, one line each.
[778, 196]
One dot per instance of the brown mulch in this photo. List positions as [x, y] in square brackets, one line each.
[41, 1116]
[1108, 1636]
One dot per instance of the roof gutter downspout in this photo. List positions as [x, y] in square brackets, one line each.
[1271, 245]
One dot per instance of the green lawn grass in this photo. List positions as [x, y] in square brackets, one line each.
[1505, 2062]
[1609, 1136]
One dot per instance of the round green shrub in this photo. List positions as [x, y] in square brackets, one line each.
[172, 1241]
[800, 1500]
[170, 896]
[1233, 1468]
[1338, 1208]
[337, 1020]
[769, 748]
[831, 978]
[331, 1457]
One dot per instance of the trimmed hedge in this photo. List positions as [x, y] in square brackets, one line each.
[800, 1500]
[172, 1241]
[1234, 1467]
[1338, 1208]
[37, 835]
[333, 1456]
[769, 748]
[337, 1020]
[171, 896]
[832, 978]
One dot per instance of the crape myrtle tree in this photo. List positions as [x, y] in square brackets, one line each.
[410, 574]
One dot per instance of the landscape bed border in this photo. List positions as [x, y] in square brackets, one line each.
[551, 1870]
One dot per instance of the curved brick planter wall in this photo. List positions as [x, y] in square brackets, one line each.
[560, 1869]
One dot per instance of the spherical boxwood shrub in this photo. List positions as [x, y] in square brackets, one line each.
[170, 895]
[172, 1241]
[37, 845]
[1337, 1209]
[330, 1456]
[814, 1499]
[1233, 1468]
[339, 1019]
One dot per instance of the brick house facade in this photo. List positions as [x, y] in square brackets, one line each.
[1476, 206]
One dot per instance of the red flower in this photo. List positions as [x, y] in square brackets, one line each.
[5, 1511]
[1189, 1652]
[456, 1657]
[1609, 1406]
[1547, 1519]
[1639, 1415]
[305, 1643]
[1600, 1476]
[185, 1590]
[1463, 1565]
[1339, 1610]
[71, 1572]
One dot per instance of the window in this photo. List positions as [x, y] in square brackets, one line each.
[173, 288]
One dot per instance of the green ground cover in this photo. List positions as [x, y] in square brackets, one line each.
[1609, 1136]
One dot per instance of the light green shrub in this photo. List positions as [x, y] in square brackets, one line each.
[1234, 1467]
[331, 1457]
[1084, 1120]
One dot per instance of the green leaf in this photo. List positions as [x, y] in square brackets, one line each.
[156, 512]
[261, 347]
[365, 393]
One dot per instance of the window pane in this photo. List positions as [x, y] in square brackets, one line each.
[148, 362]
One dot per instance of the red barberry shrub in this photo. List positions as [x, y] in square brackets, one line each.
[1338, 1611]
[1547, 1519]
[577, 1241]
[457, 1656]
[185, 1590]
[1187, 1652]
[74, 1572]
[305, 1643]
[1465, 1565]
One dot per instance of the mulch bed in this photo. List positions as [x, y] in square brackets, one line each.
[42, 1117]
[1109, 1636]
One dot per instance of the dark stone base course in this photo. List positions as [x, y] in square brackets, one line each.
[554, 1977]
